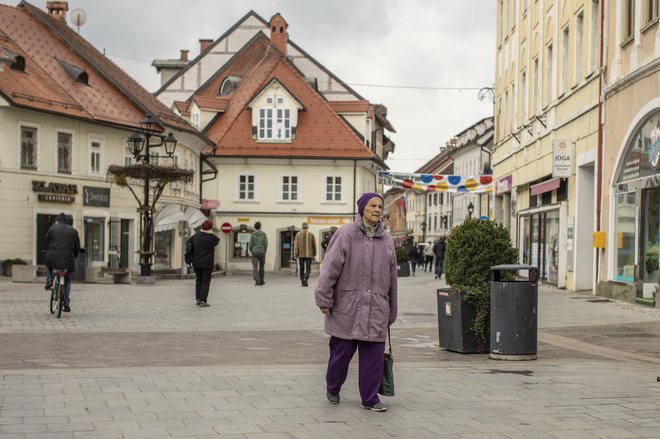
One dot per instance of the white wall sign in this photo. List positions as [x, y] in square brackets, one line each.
[562, 158]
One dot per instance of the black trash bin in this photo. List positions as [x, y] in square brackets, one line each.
[513, 313]
[80, 264]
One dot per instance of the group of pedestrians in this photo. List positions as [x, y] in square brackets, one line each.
[356, 290]
[430, 257]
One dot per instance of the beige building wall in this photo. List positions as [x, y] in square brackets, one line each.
[547, 90]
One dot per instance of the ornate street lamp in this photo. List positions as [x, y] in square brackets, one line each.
[146, 138]
[470, 209]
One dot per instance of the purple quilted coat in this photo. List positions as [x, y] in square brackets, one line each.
[358, 283]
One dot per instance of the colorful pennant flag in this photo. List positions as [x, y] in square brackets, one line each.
[438, 183]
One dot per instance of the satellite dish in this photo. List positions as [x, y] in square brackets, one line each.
[78, 17]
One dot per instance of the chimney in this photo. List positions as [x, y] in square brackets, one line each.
[278, 34]
[204, 44]
[184, 55]
[57, 9]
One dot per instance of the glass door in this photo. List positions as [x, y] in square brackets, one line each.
[650, 243]
[552, 246]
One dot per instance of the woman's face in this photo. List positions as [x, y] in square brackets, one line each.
[372, 211]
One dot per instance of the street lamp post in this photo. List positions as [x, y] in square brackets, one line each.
[470, 209]
[146, 138]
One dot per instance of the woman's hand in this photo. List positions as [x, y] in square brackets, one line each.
[325, 311]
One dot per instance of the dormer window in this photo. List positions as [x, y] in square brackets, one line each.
[18, 64]
[229, 85]
[76, 73]
[274, 114]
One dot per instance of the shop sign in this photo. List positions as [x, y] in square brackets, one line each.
[210, 204]
[503, 185]
[562, 158]
[55, 192]
[329, 220]
[96, 196]
[55, 188]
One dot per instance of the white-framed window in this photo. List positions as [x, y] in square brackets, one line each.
[549, 53]
[195, 119]
[290, 188]
[594, 35]
[333, 188]
[565, 35]
[579, 38]
[246, 187]
[651, 13]
[64, 151]
[536, 91]
[128, 155]
[523, 97]
[95, 155]
[628, 20]
[274, 123]
[29, 146]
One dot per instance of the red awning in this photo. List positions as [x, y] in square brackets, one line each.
[546, 186]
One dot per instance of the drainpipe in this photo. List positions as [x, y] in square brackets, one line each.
[599, 145]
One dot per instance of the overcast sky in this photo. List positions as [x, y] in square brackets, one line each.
[397, 43]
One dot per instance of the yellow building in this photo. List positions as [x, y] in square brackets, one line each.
[628, 266]
[546, 134]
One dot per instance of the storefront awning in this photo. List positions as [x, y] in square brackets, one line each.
[546, 186]
[195, 217]
[168, 217]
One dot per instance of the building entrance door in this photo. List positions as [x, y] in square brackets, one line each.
[540, 243]
[286, 247]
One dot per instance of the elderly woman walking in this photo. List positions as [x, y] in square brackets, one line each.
[357, 292]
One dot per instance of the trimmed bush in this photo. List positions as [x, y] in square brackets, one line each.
[472, 248]
[402, 255]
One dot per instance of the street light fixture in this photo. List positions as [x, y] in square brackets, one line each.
[146, 138]
[470, 209]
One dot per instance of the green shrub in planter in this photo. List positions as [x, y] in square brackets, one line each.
[7, 263]
[472, 248]
[402, 255]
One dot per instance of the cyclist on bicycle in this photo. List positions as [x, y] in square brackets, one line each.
[63, 247]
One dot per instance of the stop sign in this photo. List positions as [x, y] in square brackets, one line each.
[225, 227]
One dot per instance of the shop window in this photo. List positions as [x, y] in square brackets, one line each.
[625, 237]
[94, 237]
[163, 249]
[242, 242]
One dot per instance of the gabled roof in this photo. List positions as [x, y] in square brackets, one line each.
[321, 132]
[252, 14]
[112, 95]
[218, 104]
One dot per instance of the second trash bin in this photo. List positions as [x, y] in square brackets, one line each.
[513, 313]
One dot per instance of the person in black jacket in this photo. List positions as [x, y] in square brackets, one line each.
[439, 252]
[63, 245]
[203, 249]
[413, 254]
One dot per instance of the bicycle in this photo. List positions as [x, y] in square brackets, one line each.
[57, 292]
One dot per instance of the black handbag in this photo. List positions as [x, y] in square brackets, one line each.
[387, 383]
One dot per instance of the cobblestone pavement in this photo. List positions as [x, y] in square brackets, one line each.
[137, 361]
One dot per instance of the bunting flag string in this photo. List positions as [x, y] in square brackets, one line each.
[478, 184]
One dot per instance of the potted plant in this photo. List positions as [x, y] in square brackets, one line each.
[402, 262]
[464, 308]
[8, 263]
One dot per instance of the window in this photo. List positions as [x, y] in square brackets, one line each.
[512, 117]
[274, 123]
[28, 147]
[536, 90]
[628, 20]
[505, 112]
[195, 119]
[548, 75]
[579, 25]
[333, 188]
[651, 10]
[128, 155]
[64, 142]
[290, 188]
[523, 97]
[564, 60]
[594, 36]
[95, 156]
[246, 187]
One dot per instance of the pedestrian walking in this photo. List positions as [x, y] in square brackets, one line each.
[428, 257]
[420, 258]
[439, 252]
[326, 240]
[202, 254]
[413, 254]
[258, 246]
[304, 249]
[357, 293]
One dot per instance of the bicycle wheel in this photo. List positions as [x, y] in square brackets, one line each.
[53, 295]
[60, 299]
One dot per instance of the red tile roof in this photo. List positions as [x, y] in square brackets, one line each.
[321, 132]
[350, 106]
[218, 104]
[112, 96]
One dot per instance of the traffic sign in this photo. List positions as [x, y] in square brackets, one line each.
[225, 227]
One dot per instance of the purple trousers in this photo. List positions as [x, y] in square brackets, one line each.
[370, 364]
